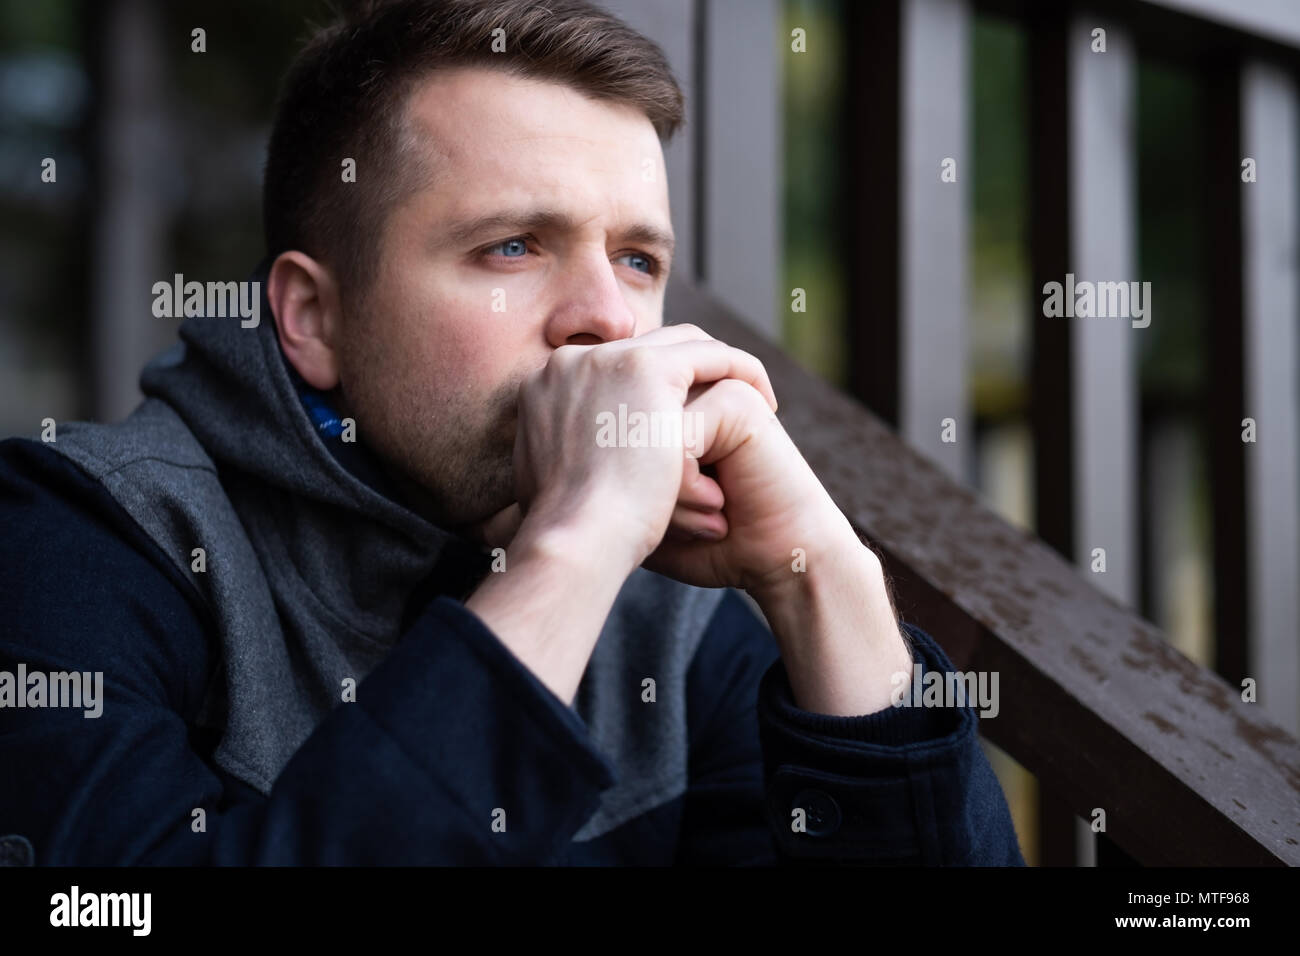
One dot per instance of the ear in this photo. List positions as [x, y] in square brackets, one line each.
[304, 297]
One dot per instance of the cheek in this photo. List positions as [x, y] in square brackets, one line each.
[651, 318]
[449, 351]
[470, 340]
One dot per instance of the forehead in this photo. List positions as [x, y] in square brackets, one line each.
[498, 138]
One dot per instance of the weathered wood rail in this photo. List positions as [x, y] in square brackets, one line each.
[1092, 698]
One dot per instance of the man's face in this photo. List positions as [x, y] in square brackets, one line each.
[537, 228]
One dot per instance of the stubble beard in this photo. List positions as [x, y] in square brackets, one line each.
[460, 473]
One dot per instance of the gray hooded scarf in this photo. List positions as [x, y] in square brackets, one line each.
[311, 573]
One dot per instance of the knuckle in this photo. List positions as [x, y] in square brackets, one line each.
[741, 395]
[564, 355]
[635, 360]
[747, 357]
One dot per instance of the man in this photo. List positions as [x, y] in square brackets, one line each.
[364, 584]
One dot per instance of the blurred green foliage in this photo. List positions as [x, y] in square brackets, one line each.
[1172, 228]
[813, 87]
[998, 242]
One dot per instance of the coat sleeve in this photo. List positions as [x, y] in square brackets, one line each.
[906, 785]
[449, 735]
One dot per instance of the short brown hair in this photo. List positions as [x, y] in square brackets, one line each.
[345, 94]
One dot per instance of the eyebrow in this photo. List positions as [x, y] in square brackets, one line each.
[537, 219]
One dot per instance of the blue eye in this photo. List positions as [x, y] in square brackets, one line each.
[648, 262]
[520, 246]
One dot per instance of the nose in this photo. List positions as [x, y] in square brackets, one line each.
[591, 307]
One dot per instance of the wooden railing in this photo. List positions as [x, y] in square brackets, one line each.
[1092, 699]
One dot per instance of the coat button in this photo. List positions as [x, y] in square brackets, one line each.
[823, 812]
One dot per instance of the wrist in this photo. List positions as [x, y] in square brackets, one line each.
[823, 558]
[829, 580]
[580, 543]
[840, 640]
[530, 604]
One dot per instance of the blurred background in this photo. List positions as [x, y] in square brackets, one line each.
[812, 161]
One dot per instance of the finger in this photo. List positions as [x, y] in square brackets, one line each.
[672, 334]
[663, 336]
[723, 418]
[688, 524]
[693, 560]
[713, 361]
[698, 491]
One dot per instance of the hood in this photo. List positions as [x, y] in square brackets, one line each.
[315, 569]
[360, 545]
